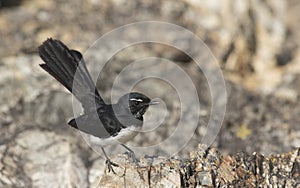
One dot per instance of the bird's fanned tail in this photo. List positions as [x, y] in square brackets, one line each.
[68, 67]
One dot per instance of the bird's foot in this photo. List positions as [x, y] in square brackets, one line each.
[110, 166]
[132, 155]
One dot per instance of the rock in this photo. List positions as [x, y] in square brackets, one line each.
[37, 158]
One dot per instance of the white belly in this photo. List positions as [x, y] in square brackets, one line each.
[127, 134]
[123, 136]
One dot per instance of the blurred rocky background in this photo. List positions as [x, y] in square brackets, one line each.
[254, 41]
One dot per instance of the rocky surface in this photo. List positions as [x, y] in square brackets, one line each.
[255, 43]
[35, 158]
[205, 167]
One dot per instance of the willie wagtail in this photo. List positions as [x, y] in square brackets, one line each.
[107, 122]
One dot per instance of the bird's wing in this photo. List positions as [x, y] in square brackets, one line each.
[99, 124]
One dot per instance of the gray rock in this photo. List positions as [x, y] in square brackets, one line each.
[37, 158]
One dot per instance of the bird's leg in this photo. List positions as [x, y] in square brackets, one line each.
[109, 163]
[131, 154]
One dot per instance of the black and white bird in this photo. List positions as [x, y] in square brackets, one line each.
[109, 123]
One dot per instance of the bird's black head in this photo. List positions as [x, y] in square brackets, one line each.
[138, 103]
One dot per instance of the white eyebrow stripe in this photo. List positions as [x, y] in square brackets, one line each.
[134, 99]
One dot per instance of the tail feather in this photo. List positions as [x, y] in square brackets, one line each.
[68, 67]
[58, 62]
[56, 76]
[82, 70]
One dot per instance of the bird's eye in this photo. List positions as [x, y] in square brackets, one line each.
[136, 103]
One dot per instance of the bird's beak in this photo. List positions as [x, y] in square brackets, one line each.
[153, 102]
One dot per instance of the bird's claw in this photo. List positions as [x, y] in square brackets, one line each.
[110, 166]
[132, 155]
